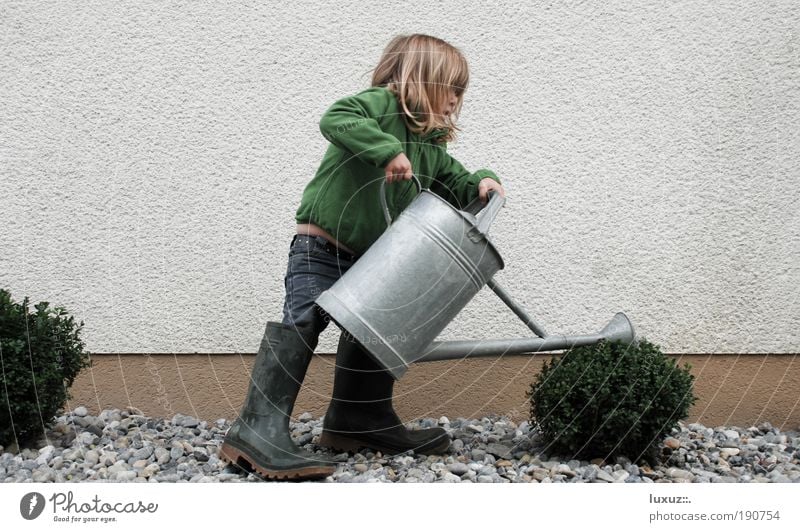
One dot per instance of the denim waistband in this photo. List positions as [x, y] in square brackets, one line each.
[323, 243]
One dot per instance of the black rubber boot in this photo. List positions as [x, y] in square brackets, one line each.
[259, 440]
[360, 413]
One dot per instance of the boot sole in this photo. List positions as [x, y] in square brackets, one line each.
[240, 459]
[343, 443]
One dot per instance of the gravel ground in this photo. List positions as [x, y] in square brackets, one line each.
[121, 446]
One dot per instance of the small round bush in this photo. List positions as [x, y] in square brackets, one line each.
[41, 353]
[610, 399]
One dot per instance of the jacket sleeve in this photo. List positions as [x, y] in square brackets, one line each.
[352, 124]
[457, 185]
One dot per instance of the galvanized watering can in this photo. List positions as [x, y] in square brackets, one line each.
[422, 271]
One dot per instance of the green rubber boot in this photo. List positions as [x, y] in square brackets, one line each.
[361, 414]
[259, 440]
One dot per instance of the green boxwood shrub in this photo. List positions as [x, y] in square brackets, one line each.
[41, 353]
[610, 399]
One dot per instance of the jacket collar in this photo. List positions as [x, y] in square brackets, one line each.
[435, 133]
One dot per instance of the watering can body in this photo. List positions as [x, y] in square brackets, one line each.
[412, 281]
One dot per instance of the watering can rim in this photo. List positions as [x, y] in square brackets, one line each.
[467, 217]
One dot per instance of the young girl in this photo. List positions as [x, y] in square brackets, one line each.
[399, 126]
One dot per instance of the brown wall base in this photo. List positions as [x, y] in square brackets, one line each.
[733, 390]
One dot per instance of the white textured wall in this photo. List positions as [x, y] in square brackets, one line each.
[152, 156]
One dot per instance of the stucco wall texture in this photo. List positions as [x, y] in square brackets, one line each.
[152, 157]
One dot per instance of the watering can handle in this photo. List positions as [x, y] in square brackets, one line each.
[383, 198]
[489, 212]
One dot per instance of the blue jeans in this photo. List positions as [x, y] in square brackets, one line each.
[313, 268]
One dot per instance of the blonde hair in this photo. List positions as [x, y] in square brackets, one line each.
[421, 70]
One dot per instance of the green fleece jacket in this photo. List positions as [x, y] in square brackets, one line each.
[366, 131]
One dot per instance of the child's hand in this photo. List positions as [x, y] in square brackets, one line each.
[398, 168]
[488, 184]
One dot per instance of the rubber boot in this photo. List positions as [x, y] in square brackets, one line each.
[361, 414]
[259, 440]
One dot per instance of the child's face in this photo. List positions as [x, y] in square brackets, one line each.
[450, 103]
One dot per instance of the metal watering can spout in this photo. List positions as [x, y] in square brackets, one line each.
[441, 257]
[618, 329]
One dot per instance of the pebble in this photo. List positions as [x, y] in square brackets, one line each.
[498, 450]
[727, 452]
[45, 454]
[162, 456]
[143, 453]
[125, 476]
[201, 455]
[730, 434]
[176, 452]
[458, 468]
[621, 476]
[43, 476]
[87, 438]
[674, 472]
[605, 476]
[92, 458]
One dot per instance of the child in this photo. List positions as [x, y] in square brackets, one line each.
[398, 126]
